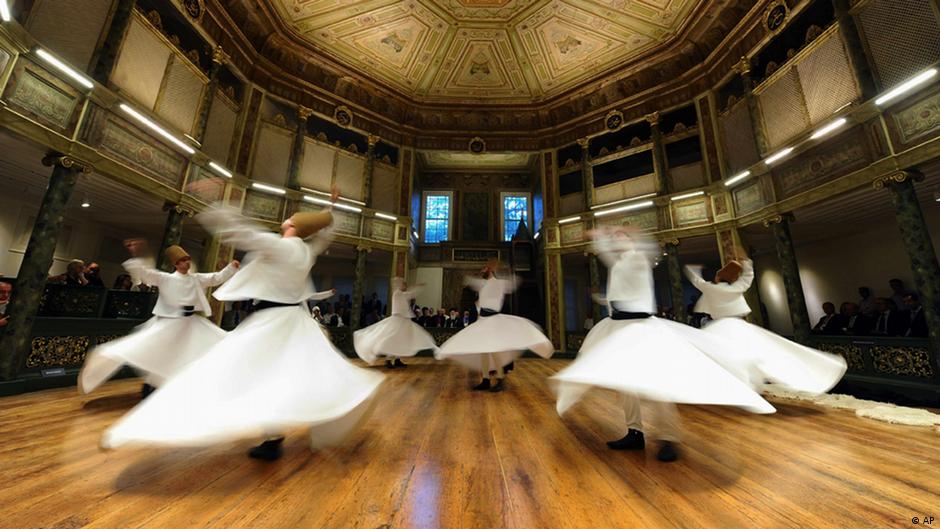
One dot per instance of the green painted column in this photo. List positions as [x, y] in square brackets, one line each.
[595, 278]
[919, 246]
[358, 288]
[106, 55]
[856, 50]
[675, 280]
[790, 270]
[369, 171]
[297, 149]
[744, 68]
[172, 232]
[31, 279]
[587, 173]
[659, 155]
[218, 60]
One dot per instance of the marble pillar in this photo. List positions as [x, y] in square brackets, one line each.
[297, 148]
[595, 282]
[790, 270]
[105, 57]
[172, 232]
[660, 168]
[208, 96]
[674, 268]
[369, 170]
[31, 279]
[587, 173]
[358, 288]
[916, 238]
[744, 68]
[855, 49]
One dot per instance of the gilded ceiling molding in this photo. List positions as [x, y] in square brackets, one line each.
[304, 113]
[219, 56]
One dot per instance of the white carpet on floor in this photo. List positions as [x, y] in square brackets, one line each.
[881, 411]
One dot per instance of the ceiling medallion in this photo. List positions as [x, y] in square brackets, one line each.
[194, 8]
[343, 116]
[775, 15]
[477, 145]
[613, 120]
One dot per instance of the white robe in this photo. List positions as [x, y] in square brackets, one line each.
[167, 342]
[647, 358]
[773, 357]
[395, 336]
[492, 342]
[277, 370]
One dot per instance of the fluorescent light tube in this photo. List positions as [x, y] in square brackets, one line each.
[62, 67]
[828, 128]
[385, 216]
[267, 188]
[219, 169]
[629, 207]
[737, 178]
[157, 128]
[778, 156]
[688, 195]
[569, 220]
[906, 86]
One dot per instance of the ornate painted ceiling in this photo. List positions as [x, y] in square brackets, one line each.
[484, 50]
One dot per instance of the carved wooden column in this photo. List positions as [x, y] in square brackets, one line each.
[744, 68]
[208, 96]
[659, 155]
[671, 247]
[106, 55]
[297, 148]
[919, 246]
[172, 232]
[34, 270]
[587, 173]
[856, 50]
[790, 270]
[358, 287]
[369, 170]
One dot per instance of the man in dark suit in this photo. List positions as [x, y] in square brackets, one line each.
[890, 322]
[854, 323]
[915, 320]
[830, 323]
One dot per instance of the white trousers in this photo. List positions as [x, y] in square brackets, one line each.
[664, 419]
[489, 365]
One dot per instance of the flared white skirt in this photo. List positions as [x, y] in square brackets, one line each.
[493, 342]
[779, 360]
[655, 361]
[394, 336]
[276, 371]
[160, 347]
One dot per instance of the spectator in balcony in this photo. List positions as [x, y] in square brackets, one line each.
[74, 274]
[123, 282]
[830, 323]
[5, 290]
[915, 320]
[440, 319]
[425, 319]
[454, 321]
[93, 275]
[417, 314]
[898, 291]
[465, 321]
[889, 322]
[866, 305]
[854, 323]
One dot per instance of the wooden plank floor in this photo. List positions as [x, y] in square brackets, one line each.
[436, 455]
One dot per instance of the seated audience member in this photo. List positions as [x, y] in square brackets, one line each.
[890, 322]
[440, 319]
[853, 322]
[898, 291]
[866, 305]
[914, 318]
[588, 323]
[93, 275]
[466, 320]
[74, 274]
[425, 319]
[330, 319]
[417, 314]
[317, 315]
[454, 321]
[123, 282]
[5, 290]
[830, 322]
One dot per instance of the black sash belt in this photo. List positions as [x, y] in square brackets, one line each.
[188, 310]
[488, 312]
[620, 315]
[264, 304]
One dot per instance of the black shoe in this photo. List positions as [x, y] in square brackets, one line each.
[269, 450]
[146, 390]
[509, 367]
[667, 452]
[390, 364]
[482, 386]
[498, 387]
[632, 441]
[399, 363]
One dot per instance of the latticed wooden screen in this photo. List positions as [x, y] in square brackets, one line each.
[69, 28]
[384, 187]
[807, 92]
[686, 177]
[182, 93]
[737, 137]
[272, 155]
[220, 129]
[902, 36]
[141, 64]
[349, 175]
[316, 171]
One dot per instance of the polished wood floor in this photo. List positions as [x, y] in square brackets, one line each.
[436, 455]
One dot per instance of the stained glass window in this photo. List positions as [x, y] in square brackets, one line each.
[515, 209]
[436, 218]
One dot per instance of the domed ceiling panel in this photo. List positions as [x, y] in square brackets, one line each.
[484, 50]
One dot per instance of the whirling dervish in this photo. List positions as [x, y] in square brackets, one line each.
[175, 336]
[495, 340]
[776, 359]
[396, 336]
[643, 357]
[276, 371]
